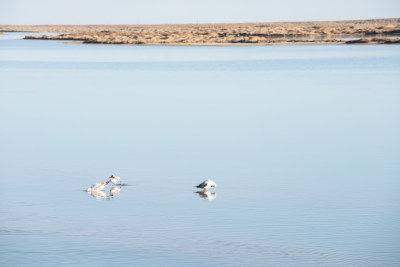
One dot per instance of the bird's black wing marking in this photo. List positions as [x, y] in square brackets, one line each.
[203, 184]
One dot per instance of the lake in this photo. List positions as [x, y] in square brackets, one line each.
[302, 141]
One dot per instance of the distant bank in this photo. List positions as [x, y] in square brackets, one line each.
[374, 31]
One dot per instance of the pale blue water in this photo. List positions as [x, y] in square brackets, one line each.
[303, 142]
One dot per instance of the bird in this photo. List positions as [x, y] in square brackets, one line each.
[114, 191]
[115, 179]
[207, 184]
[206, 194]
[97, 187]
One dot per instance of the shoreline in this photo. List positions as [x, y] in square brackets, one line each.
[379, 31]
[384, 41]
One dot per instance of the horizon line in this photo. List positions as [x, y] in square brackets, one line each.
[199, 23]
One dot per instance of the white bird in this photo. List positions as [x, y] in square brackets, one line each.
[97, 187]
[114, 191]
[206, 194]
[115, 179]
[207, 184]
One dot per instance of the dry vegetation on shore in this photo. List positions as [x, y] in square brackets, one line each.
[377, 31]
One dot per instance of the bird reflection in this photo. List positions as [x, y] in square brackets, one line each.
[98, 194]
[206, 194]
[114, 191]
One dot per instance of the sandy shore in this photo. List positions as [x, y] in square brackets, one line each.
[379, 31]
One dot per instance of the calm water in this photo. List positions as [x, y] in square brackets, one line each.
[303, 142]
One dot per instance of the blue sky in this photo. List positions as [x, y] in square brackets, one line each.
[181, 11]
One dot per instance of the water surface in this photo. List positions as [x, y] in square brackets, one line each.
[303, 142]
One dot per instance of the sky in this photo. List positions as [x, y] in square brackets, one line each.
[34, 12]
